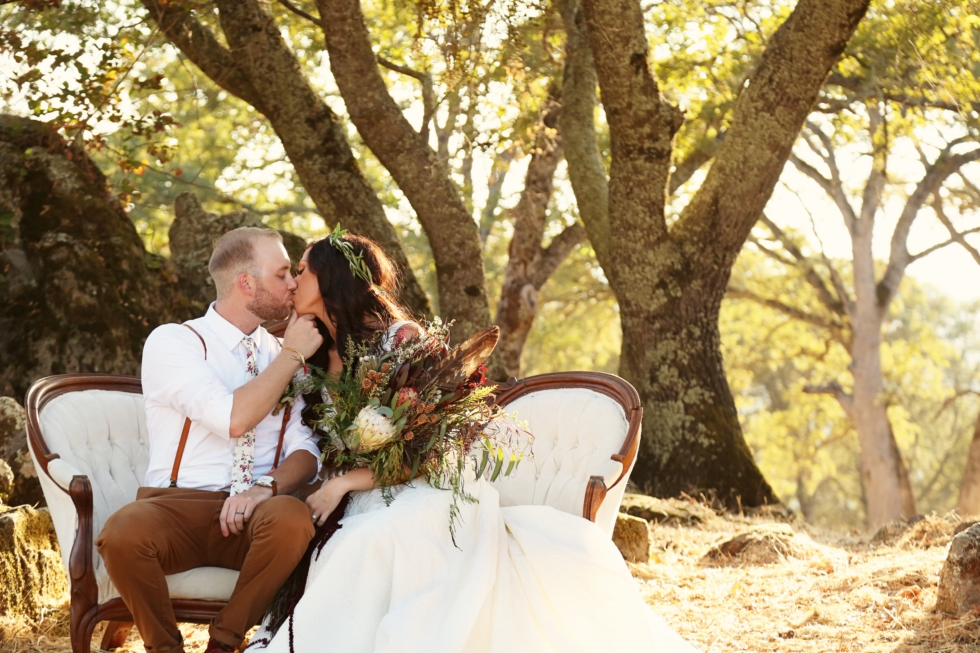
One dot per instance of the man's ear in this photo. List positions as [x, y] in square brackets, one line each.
[245, 283]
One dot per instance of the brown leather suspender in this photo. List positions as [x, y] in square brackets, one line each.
[187, 427]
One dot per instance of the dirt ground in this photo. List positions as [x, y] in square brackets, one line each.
[793, 589]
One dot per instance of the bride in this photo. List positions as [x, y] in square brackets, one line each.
[390, 579]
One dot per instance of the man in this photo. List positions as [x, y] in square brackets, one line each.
[216, 514]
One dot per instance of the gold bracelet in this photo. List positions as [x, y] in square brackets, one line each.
[302, 358]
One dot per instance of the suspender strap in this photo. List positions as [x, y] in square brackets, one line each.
[282, 434]
[187, 423]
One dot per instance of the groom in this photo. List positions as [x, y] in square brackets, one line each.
[216, 492]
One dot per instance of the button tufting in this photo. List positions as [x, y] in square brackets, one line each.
[133, 467]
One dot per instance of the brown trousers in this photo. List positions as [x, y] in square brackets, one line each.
[170, 530]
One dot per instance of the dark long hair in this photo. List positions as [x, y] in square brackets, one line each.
[358, 309]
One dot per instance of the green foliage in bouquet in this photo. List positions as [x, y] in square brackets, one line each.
[417, 408]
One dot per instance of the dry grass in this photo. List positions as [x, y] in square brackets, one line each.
[819, 592]
[833, 592]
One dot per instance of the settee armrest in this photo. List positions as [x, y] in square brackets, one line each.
[62, 472]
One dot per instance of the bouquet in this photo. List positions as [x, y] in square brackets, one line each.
[415, 408]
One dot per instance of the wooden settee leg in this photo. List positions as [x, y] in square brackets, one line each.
[115, 635]
[84, 589]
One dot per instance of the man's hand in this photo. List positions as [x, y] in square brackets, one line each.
[238, 509]
[302, 334]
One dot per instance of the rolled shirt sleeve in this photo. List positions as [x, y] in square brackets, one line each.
[176, 375]
[299, 436]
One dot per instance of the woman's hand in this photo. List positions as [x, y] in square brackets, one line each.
[325, 500]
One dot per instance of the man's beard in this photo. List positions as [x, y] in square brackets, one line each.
[267, 306]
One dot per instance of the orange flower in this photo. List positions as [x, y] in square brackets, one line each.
[366, 384]
[386, 368]
[409, 435]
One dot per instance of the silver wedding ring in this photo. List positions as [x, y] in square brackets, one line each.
[240, 513]
[314, 517]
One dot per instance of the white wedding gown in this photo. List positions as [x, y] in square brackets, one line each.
[522, 579]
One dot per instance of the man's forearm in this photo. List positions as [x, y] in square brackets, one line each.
[296, 470]
[256, 399]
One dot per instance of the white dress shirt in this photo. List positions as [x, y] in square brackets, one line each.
[178, 382]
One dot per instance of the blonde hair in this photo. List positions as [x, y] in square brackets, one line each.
[234, 254]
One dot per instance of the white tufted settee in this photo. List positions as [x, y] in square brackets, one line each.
[586, 428]
[87, 435]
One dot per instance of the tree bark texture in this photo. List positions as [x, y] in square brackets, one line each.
[258, 67]
[78, 292]
[670, 282]
[529, 265]
[452, 231]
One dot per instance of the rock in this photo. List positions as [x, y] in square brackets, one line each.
[762, 545]
[632, 537]
[78, 291]
[32, 577]
[6, 482]
[959, 580]
[24, 487]
[962, 526]
[660, 511]
[192, 236]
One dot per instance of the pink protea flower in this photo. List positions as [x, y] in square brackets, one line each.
[407, 395]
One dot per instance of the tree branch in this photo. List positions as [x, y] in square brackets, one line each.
[428, 95]
[586, 170]
[899, 258]
[835, 390]
[955, 236]
[299, 12]
[557, 251]
[785, 309]
[641, 123]
[452, 232]
[767, 119]
[864, 90]
[812, 277]
[834, 189]
[200, 45]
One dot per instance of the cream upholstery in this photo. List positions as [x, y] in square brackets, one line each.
[102, 434]
[576, 431]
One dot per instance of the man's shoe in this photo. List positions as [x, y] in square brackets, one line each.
[214, 646]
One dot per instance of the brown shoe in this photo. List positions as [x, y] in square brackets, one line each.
[214, 646]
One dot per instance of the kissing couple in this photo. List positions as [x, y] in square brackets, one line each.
[227, 469]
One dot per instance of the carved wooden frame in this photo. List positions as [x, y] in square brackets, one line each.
[85, 610]
[610, 385]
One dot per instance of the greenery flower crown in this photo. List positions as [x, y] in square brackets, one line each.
[357, 265]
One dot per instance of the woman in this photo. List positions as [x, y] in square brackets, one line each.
[523, 578]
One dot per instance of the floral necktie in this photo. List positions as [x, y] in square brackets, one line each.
[241, 470]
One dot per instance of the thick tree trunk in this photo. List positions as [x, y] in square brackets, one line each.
[452, 232]
[969, 499]
[258, 67]
[689, 415]
[879, 466]
[670, 281]
[529, 265]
